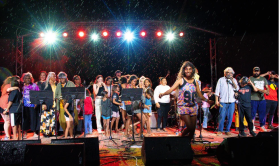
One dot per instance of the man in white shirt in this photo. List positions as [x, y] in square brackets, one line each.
[225, 98]
[163, 103]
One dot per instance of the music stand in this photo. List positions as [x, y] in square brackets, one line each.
[73, 93]
[132, 94]
[40, 97]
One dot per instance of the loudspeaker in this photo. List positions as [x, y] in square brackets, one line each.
[54, 154]
[12, 152]
[268, 134]
[91, 148]
[248, 151]
[166, 151]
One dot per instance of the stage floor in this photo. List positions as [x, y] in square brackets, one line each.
[120, 154]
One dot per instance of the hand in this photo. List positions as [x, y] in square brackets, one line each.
[71, 118]
[44, 107]
[103, 84]
[157, 105]
[121, 104]
[235, 94]
[210, 102]
[249, 82]
[161, 95]
[6, 111]
[217, 103]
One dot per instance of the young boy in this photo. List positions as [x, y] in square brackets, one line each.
[244, 105]
[105, 103]
[115, 106]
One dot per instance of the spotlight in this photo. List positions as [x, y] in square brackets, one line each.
[94, 37]
[81, 34]
[42, 34]
[105, 33]
[142, 33]
[159, 33]
[181, 34]
[50, 37]
[129, 36]
[170, 36]
[118, 34]
[65, 34]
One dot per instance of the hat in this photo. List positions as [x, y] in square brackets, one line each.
[115, 80]
[117, 71]
[273, 72]
[62, 74]
[256, 68]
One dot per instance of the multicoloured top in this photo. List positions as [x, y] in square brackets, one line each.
[26, 94]
[187, 92]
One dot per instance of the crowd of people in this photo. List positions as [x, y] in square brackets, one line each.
[242, 95]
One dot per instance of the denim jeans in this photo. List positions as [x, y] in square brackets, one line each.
[88, 123]
[226, 110]
[206, 116]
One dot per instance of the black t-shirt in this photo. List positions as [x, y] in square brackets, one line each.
[101, 89]
[244, 96]
[115, 107]
[15, 97]
[70, 107]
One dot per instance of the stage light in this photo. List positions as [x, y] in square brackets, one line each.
[81, 34]
[118, 34]
[65, 34]
[128, 36]
[42, 34]
[94, 37]
[105, 33]
[170, 36]
[159, 33]
[142, 33]
[50, 37]
[181, 34]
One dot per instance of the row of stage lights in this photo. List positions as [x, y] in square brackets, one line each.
[50, 37]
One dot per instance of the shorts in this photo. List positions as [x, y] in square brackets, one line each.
[115, 114]
[67, 118]
[104, 117]
[185, 110]
[129, 110]
[146, 111]
[15, 119]
[123, 106]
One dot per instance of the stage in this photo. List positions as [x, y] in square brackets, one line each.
[123, 154]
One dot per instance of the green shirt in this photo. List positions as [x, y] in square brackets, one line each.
[259, 83]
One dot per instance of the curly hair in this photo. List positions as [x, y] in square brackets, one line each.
[182, 74]
[132, 77]
[27, 74]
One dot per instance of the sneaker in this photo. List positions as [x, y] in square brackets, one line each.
[5, 138]
[270, 127]
[253, 133]
[254, 128]
[219, 133]
[99, 130]
[242, 134]
[263, 128]
[158, 130]
[227, 133]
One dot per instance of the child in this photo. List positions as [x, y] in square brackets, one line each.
[105, 103]
[205, 106]
[69, 114]
[147, 108]
[244, 105]
[115, 106]
[88, 109]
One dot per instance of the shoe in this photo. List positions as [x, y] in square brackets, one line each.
[236, 129]
[219, 133]
[99, 131]
[227, 133]
[164, 130]
[35, 135]
[5, 138]
[122, 126]
[158, 130]
[254, 128]
[253, 133]
[263, 128]
[242, 134]
[270, 127]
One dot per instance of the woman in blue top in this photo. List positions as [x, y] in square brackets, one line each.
[147, 108]
[187, 88]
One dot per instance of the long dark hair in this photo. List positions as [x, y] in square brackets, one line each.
[182, 74]
[150, 92]
[132, 77]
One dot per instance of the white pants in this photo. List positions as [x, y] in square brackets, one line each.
[98, 113]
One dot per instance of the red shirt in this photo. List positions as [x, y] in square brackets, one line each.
[273, 87]
[88, 107]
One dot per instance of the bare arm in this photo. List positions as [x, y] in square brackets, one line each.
[115, 102]
[66, 110]
[95, 89]
[175, 85]
[251, 83]
[265, 74]
[12, 88]
[8, 107]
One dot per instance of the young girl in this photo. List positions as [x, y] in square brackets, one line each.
[105, 104]
[115, 106]
[14, 110]
[147, 84]
[205, 106]
[88, 109]
[123, 81]
[69, 114]
[186, 102]
[147, 108]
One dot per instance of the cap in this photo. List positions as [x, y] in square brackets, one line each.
[273, 72]
[256, 68]
[117, 71]
[115, 80]
[62, 75]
